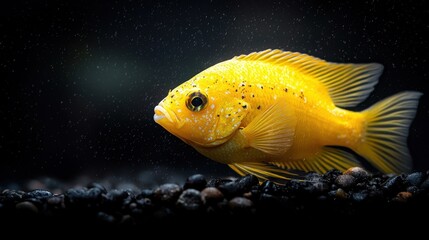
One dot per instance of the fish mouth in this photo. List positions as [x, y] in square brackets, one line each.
[162, 112]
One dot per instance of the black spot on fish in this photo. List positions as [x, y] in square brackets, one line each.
[218, 115]
[172, 96]
[236, 90]
[262, 87]
[253, 95]
[229, 114]
[250, 85]
[285, 89]
[194, 85]
[244, 106]
[259, 107]
[243, 97]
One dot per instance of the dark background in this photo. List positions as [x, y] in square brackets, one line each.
[79, 80]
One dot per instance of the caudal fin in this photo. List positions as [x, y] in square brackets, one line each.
[384, 143]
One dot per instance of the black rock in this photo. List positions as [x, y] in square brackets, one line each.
[313, 176]
[37, 194]
[98, 186]
[331, 175]
[196, 181]
[144, 203]
[240, 203]
[270, 188]
[239, 186]
[190, 200]
[425, 185]
[9, 196]
[211, 195]
[393, 184]
[167, 192]
[415, 179]
[82, 196]
[106, 218]
[413, 189]
[145, 193]
[360, 196]
[116, 197]
[216, 182]
[345, 181]
[55, 200]
[27, 207]
[269, 201]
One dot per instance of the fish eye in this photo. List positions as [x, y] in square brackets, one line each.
[196, 101]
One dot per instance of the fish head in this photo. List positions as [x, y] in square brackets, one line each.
[200, 113]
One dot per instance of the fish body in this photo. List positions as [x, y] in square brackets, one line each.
[271, 112]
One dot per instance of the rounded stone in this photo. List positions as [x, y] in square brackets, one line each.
[168, 192]
[196, 181]
[240, 203]
[98, 186]
[190, 200]
[27, 207]
[358, 173]
[415, 179]
[211, 195]
[341, 194]
[345, 181]
[403, 197]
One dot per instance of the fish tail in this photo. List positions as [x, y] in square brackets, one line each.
[384, 141]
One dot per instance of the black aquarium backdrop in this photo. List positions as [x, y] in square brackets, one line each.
[80, 79]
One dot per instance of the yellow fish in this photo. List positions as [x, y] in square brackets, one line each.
[272, 112]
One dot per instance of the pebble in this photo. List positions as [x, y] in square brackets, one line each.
[240, 203]
[358, 173]
[345, 181]
[340, 194]
[239, 186]
[331, 175]
[211, 195]
[37, 194]
[403, 197]
[98, 186]
[415, 179]
[116, 196]
[168, 192]
[27, 207]
[106, 218]
[393, 184]
[190, 200]
[196, 181]
[360, 196]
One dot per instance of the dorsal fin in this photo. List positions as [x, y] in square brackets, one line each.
[347, 84]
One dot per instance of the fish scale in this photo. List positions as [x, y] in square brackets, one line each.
[272, 113]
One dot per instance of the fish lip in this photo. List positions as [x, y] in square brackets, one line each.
[162, 112]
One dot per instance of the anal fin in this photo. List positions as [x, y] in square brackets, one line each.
[327, 159]
[263, 171]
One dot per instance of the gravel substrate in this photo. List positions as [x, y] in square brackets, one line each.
[355, 194]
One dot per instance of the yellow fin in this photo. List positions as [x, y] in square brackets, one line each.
[322, 161]
[385, 141]
[273, 130]
[347, 84]
[262, 171]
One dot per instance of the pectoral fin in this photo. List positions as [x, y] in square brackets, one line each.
[273, 130]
